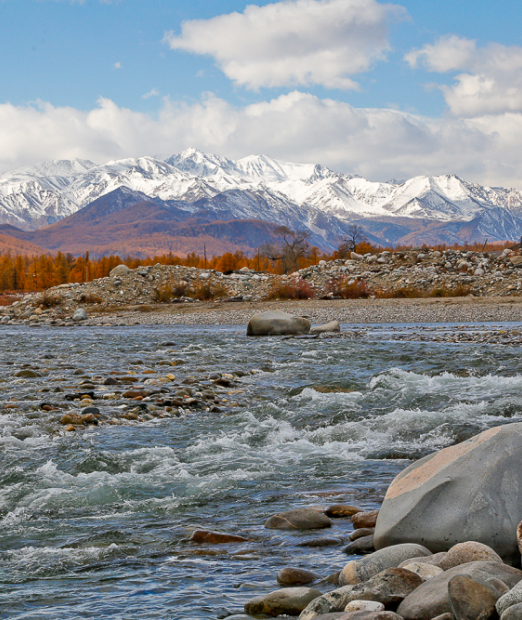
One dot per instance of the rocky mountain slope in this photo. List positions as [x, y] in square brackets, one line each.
[422, 209]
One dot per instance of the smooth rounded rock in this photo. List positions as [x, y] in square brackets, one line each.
[425, 571]
[331, 327]
[363, 531]
[290, 601]
[434, 559]
[388, 587]
[277, 323]
[360, 546]
[513, 597]
[341, 511]
[469, 491]
[299, 519]
[513, 613]
[471, 600]
[215, 538]
[469, 552]
[361, 570]
[119, 270]
[79, 315]
[365, 519]
[519, 536]
[432, 599]
[290, 576]
[364, 606]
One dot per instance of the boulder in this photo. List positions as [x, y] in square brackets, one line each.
[432, 597]
[290, 576]
[299, 519]
[467, 492]
[277, 323]
[388, 587]
[119, 270]
[361, 570]
[471, 600]
[519, 537]
[433, 560]
[360, 533]
[331, 327]
[468, 552]
[513, 597]
[79, 315]
[290, 601]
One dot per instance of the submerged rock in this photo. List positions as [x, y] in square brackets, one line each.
[470, 491]
[299, 519]
[290, 601]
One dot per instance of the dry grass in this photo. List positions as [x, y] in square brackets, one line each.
[90, 298]
[412, 292]
[293, 289]
[8, 300]
[343, 288]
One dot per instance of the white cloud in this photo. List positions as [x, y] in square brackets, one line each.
[117, 65]
[294, 42]
[376, 143]
[492, 78]
[152, 93]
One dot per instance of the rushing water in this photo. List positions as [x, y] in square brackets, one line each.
[95, 524]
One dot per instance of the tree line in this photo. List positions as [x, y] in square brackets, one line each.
[290, 251]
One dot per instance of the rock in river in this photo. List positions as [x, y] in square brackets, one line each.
[290, 601]
[277, 323]
[467, 492]
[299, 519]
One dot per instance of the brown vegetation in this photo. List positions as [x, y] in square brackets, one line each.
[292, 289]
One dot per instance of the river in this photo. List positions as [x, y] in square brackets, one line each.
[95, 524]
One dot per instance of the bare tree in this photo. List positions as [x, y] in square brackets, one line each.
[354, 235]
[291, 246]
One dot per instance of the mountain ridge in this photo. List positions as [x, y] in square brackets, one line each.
[257, 187]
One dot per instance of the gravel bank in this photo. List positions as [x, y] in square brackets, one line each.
[454, 310]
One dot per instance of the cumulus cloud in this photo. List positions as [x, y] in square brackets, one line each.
[294, 42]
[491, 81]
[376, 143]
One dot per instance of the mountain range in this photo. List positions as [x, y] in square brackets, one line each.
[151, 205]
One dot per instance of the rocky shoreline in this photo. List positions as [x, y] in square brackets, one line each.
[431, 281]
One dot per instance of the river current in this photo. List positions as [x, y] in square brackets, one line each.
[95, 524]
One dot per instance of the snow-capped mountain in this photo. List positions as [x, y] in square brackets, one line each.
[255, 187]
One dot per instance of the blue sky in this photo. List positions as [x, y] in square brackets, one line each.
[380, 89]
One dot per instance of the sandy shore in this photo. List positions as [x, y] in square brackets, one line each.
[446, 310]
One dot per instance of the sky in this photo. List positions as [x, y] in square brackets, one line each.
[380, 89]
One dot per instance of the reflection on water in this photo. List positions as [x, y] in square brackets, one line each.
[96, 524]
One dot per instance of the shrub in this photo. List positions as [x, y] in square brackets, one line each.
[207, 290]
[8, 300]
[50, 301]
[90, 298]
[291, 289]
[403, 292]
[443, 291]
[344, 288]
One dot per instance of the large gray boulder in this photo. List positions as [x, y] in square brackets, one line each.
[120, 270]
[277, 323]
[468, 492]
[432, 598]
